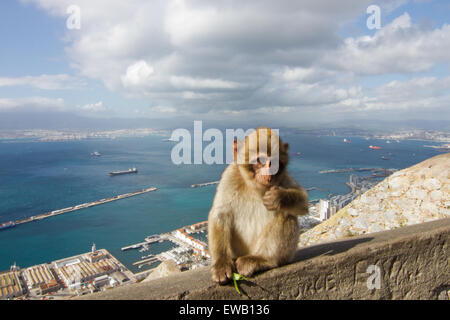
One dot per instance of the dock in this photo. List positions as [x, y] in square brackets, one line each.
[146, 261]
[83, 206]
[356, 170]
[204, 184]
[148, 240]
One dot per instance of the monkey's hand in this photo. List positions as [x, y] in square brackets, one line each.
[222, 271]
[272, 198]
[291, 200]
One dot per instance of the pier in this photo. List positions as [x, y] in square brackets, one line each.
[148, 240]
[356, 170]
[83, 206]
[204, 184]
[146, 261]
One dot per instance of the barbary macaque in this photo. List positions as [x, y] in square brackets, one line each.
[253, 222]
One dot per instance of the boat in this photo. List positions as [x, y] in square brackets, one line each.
[7, 225]
[96, 154]
[374, 147]
[116, 173]
[346, 140]
[384, 158]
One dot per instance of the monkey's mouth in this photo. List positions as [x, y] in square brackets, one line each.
[265, 180]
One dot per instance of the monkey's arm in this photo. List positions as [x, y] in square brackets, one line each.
[289, 197]
[219, 243]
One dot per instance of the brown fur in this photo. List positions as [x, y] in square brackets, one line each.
[253, 226]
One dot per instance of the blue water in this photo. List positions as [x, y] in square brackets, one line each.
[37, 177]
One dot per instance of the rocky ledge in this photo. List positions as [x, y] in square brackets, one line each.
[414, 195]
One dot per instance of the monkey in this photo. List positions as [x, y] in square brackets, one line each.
[253, 221]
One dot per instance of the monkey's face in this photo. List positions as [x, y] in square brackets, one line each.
[262, 169]
[263, 157]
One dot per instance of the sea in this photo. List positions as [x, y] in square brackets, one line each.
[38, 177]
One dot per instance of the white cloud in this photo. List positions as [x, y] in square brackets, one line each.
[398, 47]
[94, 107]
[32, 103]
[196, 83]
[415, 94]
[232, 56]
[137, 74]
[162, 109]
[44, 82]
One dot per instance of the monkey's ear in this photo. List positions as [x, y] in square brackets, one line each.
[286, 147]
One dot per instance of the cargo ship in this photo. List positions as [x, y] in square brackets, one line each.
[7, 225]
[116, 173]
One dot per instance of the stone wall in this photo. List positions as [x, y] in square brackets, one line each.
[410, 263]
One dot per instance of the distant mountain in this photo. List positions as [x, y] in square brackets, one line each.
[67, 120]
[52, 120]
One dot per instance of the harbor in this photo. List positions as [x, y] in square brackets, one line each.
[188, 252]
[79, 207]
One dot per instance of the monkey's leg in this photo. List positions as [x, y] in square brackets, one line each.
[219, 238]
[275, 247]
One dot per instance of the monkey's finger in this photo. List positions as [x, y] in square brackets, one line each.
[270, 206]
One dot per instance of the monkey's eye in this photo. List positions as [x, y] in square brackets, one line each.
[262, 160]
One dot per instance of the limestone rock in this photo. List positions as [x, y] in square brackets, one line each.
[166, 268]
[410, 196]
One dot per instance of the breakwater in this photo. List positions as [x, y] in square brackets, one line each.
[204, 184]
[82, 206]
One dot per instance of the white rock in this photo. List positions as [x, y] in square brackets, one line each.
[389, 215]
[430, 207]
[417, 193]
[432, 184]
[398, 183]
[376, 228]
[360, 223]
[352, 212]
[436, 195]
[444, 211]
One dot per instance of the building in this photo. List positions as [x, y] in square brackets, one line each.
[78, 272]
[50, 286]
[95, 255]
[199, 226]
[37, 276]
[198, 246]
[101, 281]
[323, 209]
[10, 286]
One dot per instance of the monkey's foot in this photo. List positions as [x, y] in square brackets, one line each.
[222, 271]
[248, 265]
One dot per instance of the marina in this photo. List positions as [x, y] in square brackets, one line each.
[188, 251]
[80, 206]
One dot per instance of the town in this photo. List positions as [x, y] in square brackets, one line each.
[99, 270]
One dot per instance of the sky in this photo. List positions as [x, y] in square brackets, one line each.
[291, 62]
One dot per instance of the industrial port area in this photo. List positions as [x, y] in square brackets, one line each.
[74, 276]
[99, 270]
